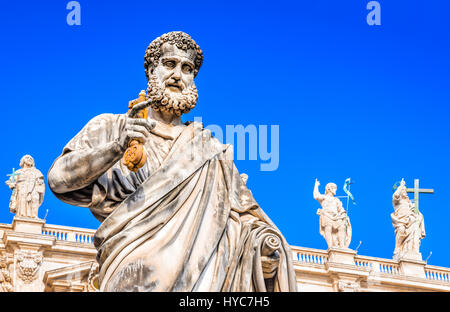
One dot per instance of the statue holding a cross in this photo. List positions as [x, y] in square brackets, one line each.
[408, 222]
[27, 185]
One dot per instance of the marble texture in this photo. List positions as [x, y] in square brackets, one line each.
[28, 189]
[408, 224]
[334, 223]
[186, 220]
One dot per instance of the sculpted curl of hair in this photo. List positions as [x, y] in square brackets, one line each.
[178, 38]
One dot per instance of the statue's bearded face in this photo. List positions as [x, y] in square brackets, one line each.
[171, 86]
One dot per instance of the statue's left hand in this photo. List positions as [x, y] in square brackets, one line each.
[270, 265]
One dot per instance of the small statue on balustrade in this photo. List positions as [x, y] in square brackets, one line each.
[28, 188]
[6, 284]
[334, 223]
[408, 224]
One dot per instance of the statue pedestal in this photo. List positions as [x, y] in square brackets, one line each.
[412, 267]
[341, 255]
[340, 265]
[410, 255]
[28, 225]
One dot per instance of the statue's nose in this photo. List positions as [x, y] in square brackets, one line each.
[176, 73]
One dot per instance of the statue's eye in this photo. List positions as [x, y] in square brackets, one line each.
[187, 69]
[169, 64]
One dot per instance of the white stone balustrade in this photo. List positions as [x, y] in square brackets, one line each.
[379, 274]
[309, 255]
[379, 265]
[316, 269]
[71, 234]
[437, 273]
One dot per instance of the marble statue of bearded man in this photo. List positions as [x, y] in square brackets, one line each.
[408, 224]
[185, 221]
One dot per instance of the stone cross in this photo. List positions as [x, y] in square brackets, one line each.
[416, 190]
[14, 174]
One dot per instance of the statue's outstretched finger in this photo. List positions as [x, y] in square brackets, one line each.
[136, 108]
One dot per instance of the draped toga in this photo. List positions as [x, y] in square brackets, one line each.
[409, 227]
[185, 221]
[28, 193]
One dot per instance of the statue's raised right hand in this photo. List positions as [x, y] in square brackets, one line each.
[317, 183]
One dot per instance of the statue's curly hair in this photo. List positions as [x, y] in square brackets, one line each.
[178, 38]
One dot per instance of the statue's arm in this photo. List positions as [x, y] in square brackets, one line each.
[10, 183]
[40, 185]
[316, 194]
[340, 208]
[80, 168]
[100, 144]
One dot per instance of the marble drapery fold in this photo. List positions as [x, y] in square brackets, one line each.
[184, 222]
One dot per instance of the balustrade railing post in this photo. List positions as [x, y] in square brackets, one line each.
[376, 267]
[71, 237]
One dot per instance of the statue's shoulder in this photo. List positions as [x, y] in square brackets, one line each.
[38, 172]
[97, 130]
[199, 128]
[107, 117]
[195, 124]
[104, 121]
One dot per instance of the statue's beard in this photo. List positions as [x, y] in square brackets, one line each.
[164, 100]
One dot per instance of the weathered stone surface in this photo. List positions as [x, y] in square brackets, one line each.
[185, 220]
[408, 224]
[334, 223]
[68, 265]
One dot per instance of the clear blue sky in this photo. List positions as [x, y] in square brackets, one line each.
[352, 100]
